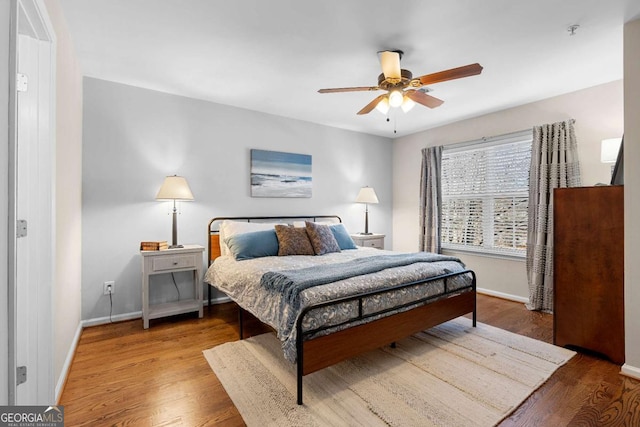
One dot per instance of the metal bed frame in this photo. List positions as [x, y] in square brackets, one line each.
[318, 352]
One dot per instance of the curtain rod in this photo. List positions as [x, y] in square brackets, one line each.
[497, 139]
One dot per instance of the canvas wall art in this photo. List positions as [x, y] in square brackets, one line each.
[278, 174]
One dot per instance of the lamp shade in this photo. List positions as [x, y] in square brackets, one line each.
[609, 150]
[174, 188]
[367, 195]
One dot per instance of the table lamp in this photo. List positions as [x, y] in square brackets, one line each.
[366, 195]
[175, 188]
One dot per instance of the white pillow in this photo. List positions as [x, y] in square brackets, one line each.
[231, 228]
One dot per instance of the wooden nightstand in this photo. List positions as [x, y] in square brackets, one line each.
[369, 240]
[188, 258]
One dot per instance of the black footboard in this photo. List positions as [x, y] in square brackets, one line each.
[446, 312]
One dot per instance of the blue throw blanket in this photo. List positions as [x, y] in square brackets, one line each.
[292, 282]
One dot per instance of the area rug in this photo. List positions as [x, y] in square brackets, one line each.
[450, 375]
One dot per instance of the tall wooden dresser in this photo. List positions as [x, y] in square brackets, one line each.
[589, 269]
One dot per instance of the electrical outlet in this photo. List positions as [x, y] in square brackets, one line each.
[109, 287]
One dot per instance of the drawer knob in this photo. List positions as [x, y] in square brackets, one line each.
[175, 262]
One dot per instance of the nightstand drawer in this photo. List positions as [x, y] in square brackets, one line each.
[369, 240]
[373, 243]
[173, 262]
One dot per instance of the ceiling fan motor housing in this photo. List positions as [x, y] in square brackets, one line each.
[391, 83]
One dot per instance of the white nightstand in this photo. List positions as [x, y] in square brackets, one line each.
[188, 258]
[369, 240]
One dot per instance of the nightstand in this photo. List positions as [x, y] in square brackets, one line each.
[369, 240]
[188, 258]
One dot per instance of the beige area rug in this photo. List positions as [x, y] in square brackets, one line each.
[450, 375]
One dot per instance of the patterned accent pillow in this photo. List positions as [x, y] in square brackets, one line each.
[293, 241]
[322, 238]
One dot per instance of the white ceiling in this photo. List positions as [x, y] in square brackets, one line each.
[273, 56]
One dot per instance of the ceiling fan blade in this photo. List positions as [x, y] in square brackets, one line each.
[390, 62]
[454, 73]
[424, 99]
[349, 89]
[370, 106]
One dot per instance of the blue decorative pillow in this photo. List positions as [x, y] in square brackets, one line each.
[342, 237]
[253, 245]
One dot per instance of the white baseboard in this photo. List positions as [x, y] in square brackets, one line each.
[630, 371]
[115, 318]
[219, 300]
[502, 295]
[138, 314]
[67, 363]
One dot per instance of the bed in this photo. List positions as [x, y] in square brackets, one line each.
[320, 311]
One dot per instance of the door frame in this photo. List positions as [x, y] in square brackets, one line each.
[35, 12]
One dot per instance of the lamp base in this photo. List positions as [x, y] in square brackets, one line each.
[366, 234]
[175, 246]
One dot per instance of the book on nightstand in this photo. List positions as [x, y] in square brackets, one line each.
[154, 246]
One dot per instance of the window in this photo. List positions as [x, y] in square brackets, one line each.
[485, 192]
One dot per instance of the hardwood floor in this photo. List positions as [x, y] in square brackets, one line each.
[125, 375]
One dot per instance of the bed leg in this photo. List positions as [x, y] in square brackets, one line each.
[475, 299]
[299, 385]
[300, 360]
[241, 322]
[475, 311]
[299, 366]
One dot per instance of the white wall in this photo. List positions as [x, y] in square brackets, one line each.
[133, 138]
[5, 15]
[599, 114]
[68, 197]
[632, 196]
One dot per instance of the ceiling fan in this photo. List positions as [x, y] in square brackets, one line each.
[402, 89]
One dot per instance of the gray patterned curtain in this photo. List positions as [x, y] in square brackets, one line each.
[554, 164]
[430, 199]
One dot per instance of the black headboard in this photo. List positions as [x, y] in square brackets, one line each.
[213, 228]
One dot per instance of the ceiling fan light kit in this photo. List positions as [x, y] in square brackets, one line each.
[395, 98]
[383, 105]
[407, 104]
[402, 89]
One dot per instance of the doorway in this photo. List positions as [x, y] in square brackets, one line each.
[30, 202]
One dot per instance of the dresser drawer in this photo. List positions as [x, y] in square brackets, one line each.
[173, 262]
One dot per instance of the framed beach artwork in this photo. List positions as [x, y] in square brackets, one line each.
[278, 174]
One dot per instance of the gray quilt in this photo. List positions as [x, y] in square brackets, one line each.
[292, 282]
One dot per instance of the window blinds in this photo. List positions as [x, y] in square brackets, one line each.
[485, 189]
